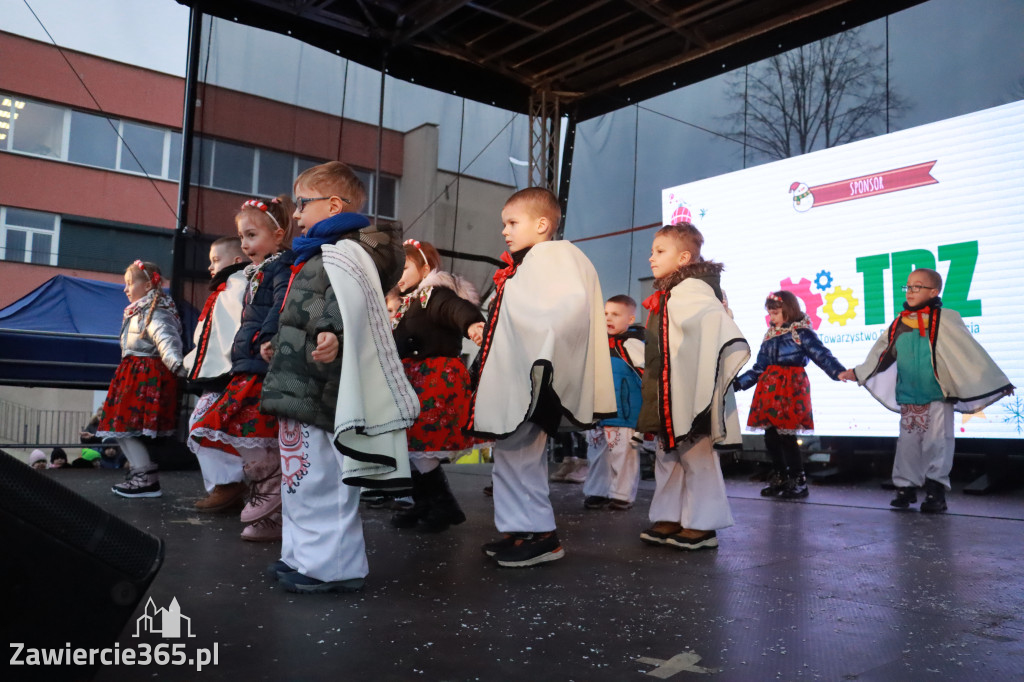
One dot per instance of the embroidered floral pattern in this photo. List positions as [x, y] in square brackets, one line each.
[783, 400]
[141, 401]
[294, 458]
[442, 385]
[914, 418]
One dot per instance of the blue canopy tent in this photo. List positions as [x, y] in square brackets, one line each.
[64, 334]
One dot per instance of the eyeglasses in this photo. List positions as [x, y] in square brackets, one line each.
[302, 201]
[915, 287]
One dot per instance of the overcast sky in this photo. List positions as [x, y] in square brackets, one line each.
[150, 33]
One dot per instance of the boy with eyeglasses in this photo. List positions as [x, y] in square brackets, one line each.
[336, 383]
[925, 367]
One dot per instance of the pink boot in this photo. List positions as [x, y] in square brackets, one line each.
[265, 530]
[263, 469]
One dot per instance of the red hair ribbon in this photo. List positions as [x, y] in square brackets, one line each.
[257, 204]
[419, 247]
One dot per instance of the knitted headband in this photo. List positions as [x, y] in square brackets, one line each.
[152, 277]
[256, 203]
[419, 247]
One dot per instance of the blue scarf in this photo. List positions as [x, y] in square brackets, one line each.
[327, 231]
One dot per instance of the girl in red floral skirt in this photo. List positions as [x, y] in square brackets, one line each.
[782, 400]
[436, 311]
[234, 422]
[142, 399]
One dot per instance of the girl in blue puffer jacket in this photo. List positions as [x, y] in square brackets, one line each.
[782, 400]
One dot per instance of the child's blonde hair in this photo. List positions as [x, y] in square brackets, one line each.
[151, 273]
[686, 235]
[336, 179]
[540, 203]
[272, 214]
[233, 246]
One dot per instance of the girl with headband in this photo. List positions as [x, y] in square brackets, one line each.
[436, 311]
[142, 399]
[234, 423]
[782, 399]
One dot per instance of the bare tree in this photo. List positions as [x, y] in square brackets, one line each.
[820, 95]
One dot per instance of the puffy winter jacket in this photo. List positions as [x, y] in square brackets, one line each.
[782, 350]
[260, 315]
[296, 386]
[161, 337]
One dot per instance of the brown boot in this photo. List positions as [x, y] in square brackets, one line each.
[263, 469]
[224, 496]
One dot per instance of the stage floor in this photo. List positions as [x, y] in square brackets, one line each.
[836, 587]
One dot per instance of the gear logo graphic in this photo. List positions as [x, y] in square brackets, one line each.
[823, 280]
[851, 306]
[811, 301]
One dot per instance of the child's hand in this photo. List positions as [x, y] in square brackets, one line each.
[266, 351]
[847, 375]
[476, 333]
[326, 347]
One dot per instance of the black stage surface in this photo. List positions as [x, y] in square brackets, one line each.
[837, 587]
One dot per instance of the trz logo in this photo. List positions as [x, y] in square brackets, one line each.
[962, 257]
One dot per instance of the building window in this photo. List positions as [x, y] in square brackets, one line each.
[44, 130]
[142, 149]
[276, 174]
[93, 140]
[28, 236]
[233, 166]
[388, 194]
[37, 129]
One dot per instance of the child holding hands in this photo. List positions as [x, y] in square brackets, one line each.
[142, 398]
[925, 367]
[235, 422]
[782, 400]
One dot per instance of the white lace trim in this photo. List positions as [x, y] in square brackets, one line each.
[149, 433]
[234, 441]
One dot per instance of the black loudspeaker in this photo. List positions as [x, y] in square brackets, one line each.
[71, 574]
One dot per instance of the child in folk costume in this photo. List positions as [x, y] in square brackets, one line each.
[336, 383]
[142, 399]
[614, 471]
[782, 400]
[209, 369]
[544, 368]
[925, 367]
[694, 350]
[235, 422]
[436, 312]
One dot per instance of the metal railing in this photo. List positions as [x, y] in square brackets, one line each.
[29, 425]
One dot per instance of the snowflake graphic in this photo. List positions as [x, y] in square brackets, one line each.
[1015, 413]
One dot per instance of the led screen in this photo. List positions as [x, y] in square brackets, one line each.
[842, 228]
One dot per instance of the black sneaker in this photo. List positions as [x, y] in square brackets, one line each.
[707, 540]
[935, 498]
[659, 533]
[275, 569]
[141, 482]
[297, 582]
[619, 505]
[904, 498]
[531, 549]
[506, 541]
[595, 502]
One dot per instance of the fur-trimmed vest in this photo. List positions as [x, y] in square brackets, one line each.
[432, 320]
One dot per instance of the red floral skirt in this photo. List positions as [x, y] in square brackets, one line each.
[235, 420]
[141, 400]
[782, 399]
[442, 385]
